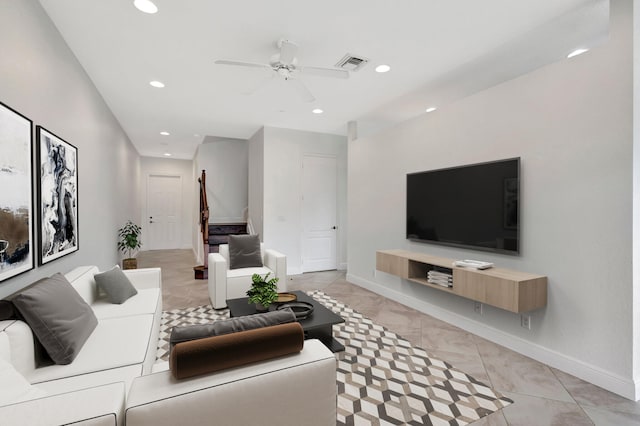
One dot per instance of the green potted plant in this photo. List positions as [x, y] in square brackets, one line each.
[263, 292]
[129, 236]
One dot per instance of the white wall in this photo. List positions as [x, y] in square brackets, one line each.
[225, 161]
[571, 124]
[42, 79]
[151, 166]
[636, 195]
[256, 181]
[282, 224]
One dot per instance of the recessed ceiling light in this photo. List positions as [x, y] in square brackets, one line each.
[431, 109]
[164, 133]
[577, 52]
[383, 68]
[156, 83]
[317, 111]
[145, 6]
[196, 135]
[167, 154]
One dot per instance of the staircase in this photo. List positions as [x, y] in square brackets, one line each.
[219, 234]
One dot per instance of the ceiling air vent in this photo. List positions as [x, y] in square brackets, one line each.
[351, 62]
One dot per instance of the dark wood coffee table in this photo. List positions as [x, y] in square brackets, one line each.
[316, 326]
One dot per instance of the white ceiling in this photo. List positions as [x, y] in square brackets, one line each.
[439, 51]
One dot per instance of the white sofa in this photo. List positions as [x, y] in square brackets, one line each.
[111, 381]
[225, 283]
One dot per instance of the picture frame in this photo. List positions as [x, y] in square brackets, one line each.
[16, 200]
[58, 233]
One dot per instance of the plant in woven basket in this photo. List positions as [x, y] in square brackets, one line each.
[263, 291]
[129, 240]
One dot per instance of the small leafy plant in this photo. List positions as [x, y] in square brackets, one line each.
[129, 236]
[263, 291]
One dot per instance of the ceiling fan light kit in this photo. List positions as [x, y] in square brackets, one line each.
[285, 65]
[145, 6]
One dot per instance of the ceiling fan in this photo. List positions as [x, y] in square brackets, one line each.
[285, 65]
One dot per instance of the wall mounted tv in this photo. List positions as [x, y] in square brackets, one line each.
[473, 206]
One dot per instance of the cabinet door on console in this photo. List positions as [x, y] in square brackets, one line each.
[494, 291]
[392, 264]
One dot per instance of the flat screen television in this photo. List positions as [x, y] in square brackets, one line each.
[473, 206]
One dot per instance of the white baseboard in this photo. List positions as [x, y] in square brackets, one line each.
[612, 382]
[294, 271]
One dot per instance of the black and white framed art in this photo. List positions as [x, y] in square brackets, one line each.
[16, 196]
[57, 196]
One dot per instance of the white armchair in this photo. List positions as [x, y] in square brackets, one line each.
[225, 283]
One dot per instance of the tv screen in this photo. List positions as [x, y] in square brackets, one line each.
[473, 206]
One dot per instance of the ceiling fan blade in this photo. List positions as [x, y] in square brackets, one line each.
[302, 90]
[242, 64]
[259, 84]
[324, 72]
[288, 50]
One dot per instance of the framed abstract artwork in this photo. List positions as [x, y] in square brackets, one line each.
[57, 196]
[16, 196]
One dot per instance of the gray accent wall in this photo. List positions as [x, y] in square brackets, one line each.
[41, 78]
[571, 124]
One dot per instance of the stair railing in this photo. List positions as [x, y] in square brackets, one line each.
[204, 218]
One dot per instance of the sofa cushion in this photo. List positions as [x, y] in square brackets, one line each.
[60, 319]
[81, 278]
[145, 302]
[200, 356]
[244, 251]
[115, 343]
[15, 388]
[116, 285]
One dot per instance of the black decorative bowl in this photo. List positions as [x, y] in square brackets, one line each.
[301, 310]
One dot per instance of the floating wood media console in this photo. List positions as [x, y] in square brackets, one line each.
[505, 289]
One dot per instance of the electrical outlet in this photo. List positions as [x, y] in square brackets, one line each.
[525, 321]
[477, 307]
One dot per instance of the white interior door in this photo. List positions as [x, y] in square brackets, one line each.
[164, 200]
[319, 216]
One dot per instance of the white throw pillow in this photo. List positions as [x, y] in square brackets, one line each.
[15, 387]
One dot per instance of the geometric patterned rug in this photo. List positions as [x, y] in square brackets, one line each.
[382, 378]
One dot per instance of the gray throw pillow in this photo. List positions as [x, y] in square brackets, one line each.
[186, 333]
[58, 316]
[116, 285]
[244, 251]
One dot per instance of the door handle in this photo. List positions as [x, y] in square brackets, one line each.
[333, 227]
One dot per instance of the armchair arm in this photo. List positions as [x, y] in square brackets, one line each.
[277, 262]
[145, 277]
[98, 406]
[217, 271]
[297, 389]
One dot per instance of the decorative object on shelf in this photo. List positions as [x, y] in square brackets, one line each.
[474, 264]
[16, 205]
[58, 196]
[263, 292]
[301, 310]
[286, 297]
[129, 240]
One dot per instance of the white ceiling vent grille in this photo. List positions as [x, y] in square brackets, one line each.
[351, 62]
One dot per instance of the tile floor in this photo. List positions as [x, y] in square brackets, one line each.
[542, 395]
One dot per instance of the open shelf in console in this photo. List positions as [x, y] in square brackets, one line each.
[513, 291]
[418, 272]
